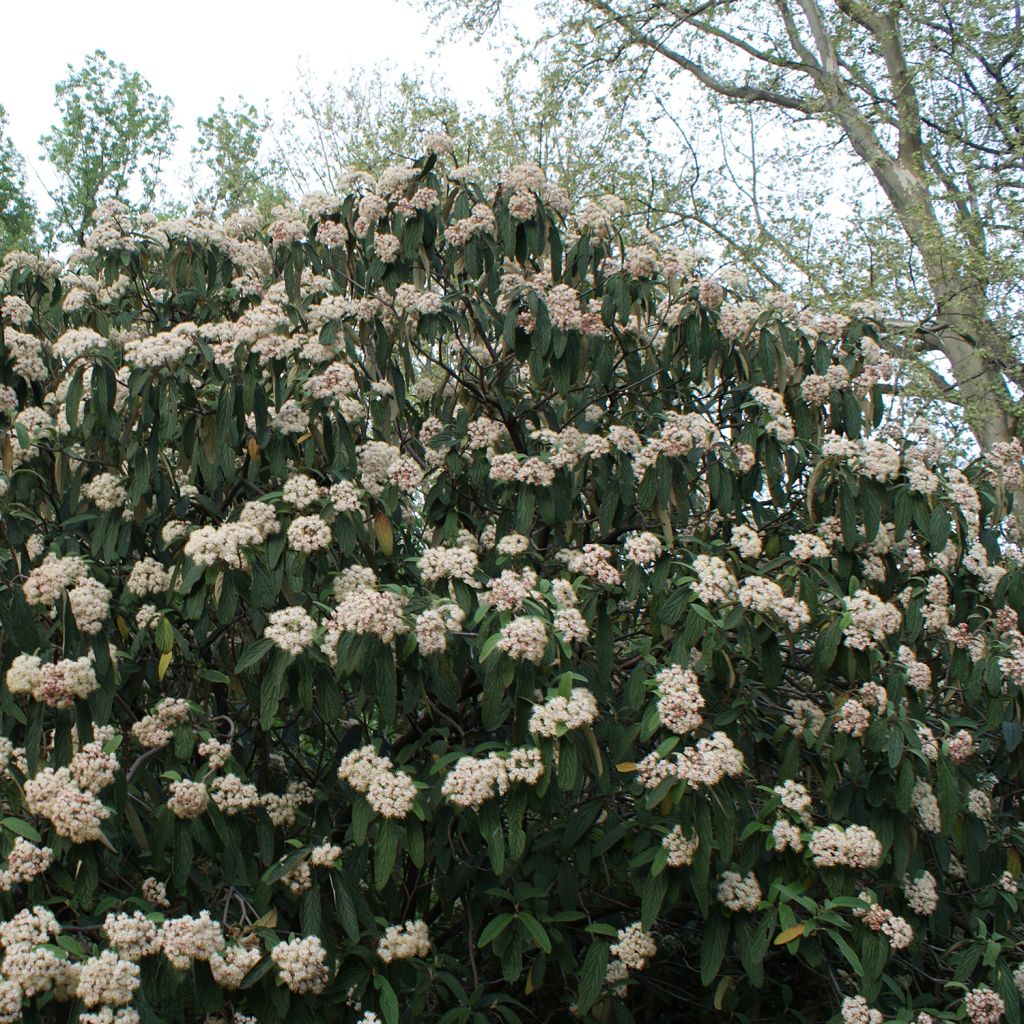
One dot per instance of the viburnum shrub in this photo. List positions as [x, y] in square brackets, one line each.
[426, 610]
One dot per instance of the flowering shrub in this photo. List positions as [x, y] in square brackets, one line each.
[424, 610]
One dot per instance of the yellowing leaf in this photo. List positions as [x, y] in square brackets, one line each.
[122, 626]
[728, 982]
[790, 934]
[268, 920]
[529, 983]
[384, 533]
[305, 437]
[626, 766]
[164, 662]
[253, 449]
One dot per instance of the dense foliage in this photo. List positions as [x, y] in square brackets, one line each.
[421, 609]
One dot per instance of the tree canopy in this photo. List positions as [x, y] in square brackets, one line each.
[17, 210]
[113, 134]
[429, 609]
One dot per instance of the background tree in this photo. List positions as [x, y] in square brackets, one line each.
[229, 169]
[592, 143]
[17, 208]
[113, 135]
[924, 98]
[366, 122]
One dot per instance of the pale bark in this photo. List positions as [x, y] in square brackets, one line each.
[962, 327]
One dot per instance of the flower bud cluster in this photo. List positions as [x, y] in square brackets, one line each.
[389, 792]
[404, 941]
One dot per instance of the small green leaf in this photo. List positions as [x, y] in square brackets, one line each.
[536, 930]
[494, 928]
[388, 999]
[21, 828]
[592, 974]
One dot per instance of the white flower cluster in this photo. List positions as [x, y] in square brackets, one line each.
[404, 941]
[302, 964]
[390, 793]
[739, 892]
[926, 805]
[855, 1010]
[48, 580]
[594, 561]
[106, 491]
[232, 795]
[766, 597]
[921, 893]
[25, 862]
[28, 968]
[895, 929]
[634, 947]
[434, 625]
[90, 605]
[449, 563]
[230, 967]
[364, 610]
[290, 418]
[475, 780]
[67, 796]
[705, 764]
[506, 467]
[161, 349]
[560, 714]
[324, 855]
[680, 701]
[856, 846]
[681, 433]
[308, 534]
[795, 797]
[871, 620]
[919, 675]
[156, 729]
[715, 584]
[217, 751]
[380, 464]
[59, 685]
[291, 629]
[510, 591]
[184, 939]
[979, 803]
[779, 424]
[807, 546]
[984, 1006]
[525, 638]
[148, 576]
[188, 799]
[211, 544]
[132, 935]
[852, 718]
[301, 491]
[681, 847]
[108, 980]
[747, 541]
[643, 549]
[803, 716]
[786, 836]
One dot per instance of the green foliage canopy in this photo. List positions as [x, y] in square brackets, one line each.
[426, 607]
[113, 133]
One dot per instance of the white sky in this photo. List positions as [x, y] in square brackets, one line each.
[196, 51]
